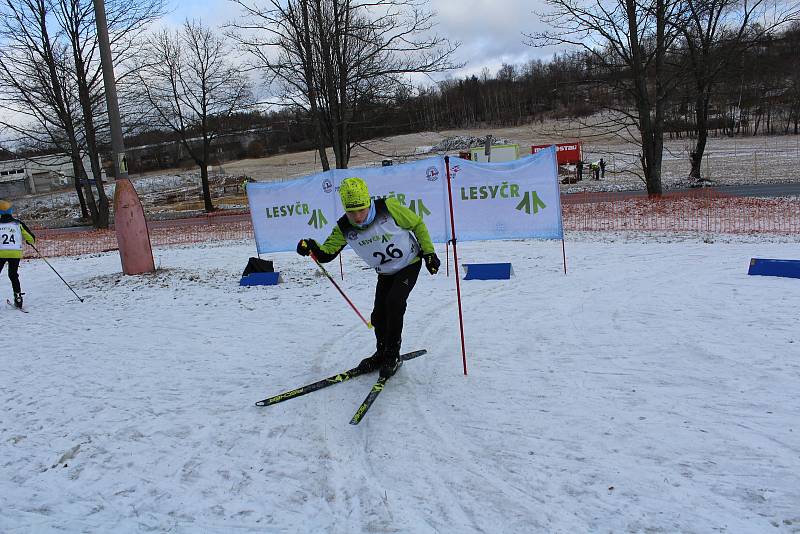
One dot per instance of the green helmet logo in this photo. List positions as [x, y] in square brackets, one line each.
[354, 193]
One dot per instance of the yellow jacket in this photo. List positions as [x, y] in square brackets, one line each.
[10, 229]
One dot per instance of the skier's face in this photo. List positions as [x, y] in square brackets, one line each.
[358, 217]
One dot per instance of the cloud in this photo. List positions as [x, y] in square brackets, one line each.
[491, 33]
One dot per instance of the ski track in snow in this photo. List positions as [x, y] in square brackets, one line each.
[652, 389]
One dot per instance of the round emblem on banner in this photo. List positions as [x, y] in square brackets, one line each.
[432, 174]
[352, 235]
[327, 185]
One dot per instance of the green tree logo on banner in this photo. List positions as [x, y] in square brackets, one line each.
[317, 219]
[531, 200]
[419, 208]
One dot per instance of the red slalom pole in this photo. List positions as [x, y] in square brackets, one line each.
[328, 275]
[455, 263]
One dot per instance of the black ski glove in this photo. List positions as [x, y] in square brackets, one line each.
[307, 246]
[432, 262]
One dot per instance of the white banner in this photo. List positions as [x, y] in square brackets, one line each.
[420, 186]
[516, 199]
[285, 212]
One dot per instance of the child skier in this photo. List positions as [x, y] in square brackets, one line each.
[390, 238]
[12, 232]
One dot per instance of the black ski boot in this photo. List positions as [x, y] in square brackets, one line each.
[391, 362]
[18, 299]
[373, 362]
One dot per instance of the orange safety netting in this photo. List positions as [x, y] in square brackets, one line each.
[66, 242]
[704, 210]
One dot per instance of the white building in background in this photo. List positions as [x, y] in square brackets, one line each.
[499, 153]
[39, 174]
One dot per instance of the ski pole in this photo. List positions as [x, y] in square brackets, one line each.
[328, 275]
[54, 270]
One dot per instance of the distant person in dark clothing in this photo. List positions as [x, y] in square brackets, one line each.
[602, 168]
[579, 168]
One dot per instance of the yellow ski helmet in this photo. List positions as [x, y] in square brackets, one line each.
[354, 193]
[6, 207]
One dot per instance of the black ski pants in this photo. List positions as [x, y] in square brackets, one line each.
[13, 272]
[391, 294]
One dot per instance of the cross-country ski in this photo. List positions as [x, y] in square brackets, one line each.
[12, 305]
[327, 382]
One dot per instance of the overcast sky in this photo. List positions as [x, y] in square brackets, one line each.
[490, 31]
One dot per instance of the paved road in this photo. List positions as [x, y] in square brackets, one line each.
[756, 190]
[761, 190]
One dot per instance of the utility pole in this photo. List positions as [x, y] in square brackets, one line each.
[109, 81]
[133, 237]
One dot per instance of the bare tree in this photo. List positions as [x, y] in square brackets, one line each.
[5, 153]
[36, 86]
[50, 75]
[714, 35]
[76, 20]
[335, 58]
[193, 88]
[629, 41]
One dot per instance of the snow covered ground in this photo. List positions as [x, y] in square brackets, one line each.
[652, 389]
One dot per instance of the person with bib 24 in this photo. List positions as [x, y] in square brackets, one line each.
[12, 233]
[391, 239]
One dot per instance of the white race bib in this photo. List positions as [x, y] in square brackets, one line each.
[10, 236]
[384, 245]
